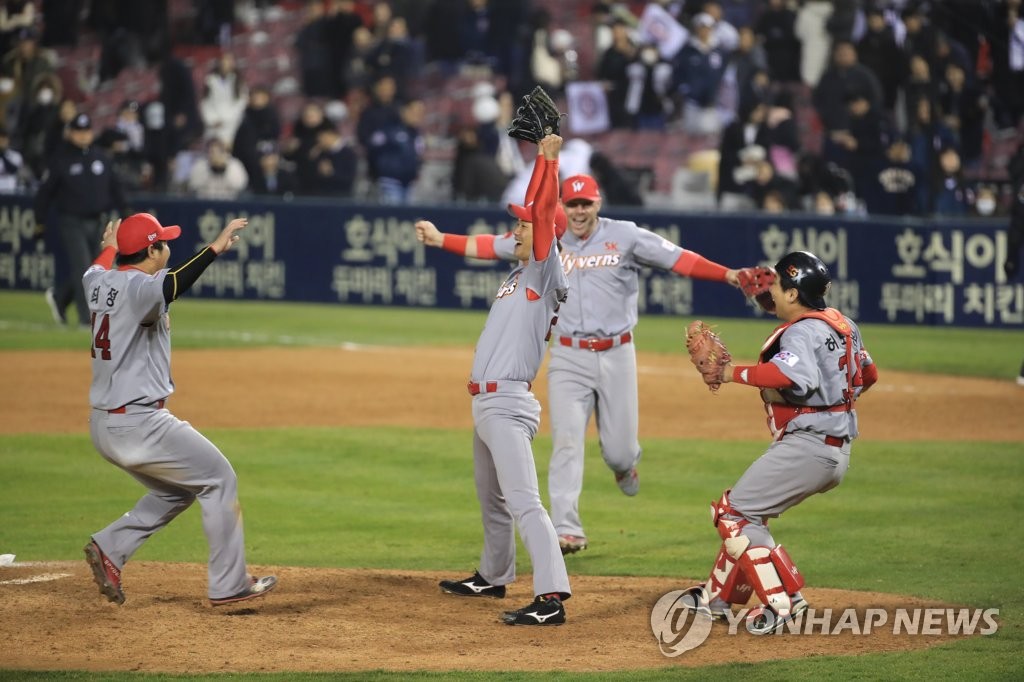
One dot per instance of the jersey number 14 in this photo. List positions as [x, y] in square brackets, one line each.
[101, 336]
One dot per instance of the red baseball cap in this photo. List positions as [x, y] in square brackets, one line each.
[525, 213]
[138, 231]
[580, 187]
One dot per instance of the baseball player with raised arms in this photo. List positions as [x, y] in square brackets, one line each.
[811, 370]
[129, 423]
[593, 361]
[506, 414]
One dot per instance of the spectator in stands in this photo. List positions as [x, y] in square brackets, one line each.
[546, 68]
[316, 54]
[767, 183]
[648, 99]
[178, 115]
[878, 51]
[949, 51]
[815, 42]
[118, 25]
[382, 112]
[275, 176]
[57, 133]
[745, 61]
[225, 97]
[840, 24]
[927, 137]
[217, 175]
[476, 176]
[125, 143]
[394, 154]
[776, 30]
[783, 137]
[844, 77]
[20, 69]
[612, 72]
[43, 109]
[746, 130]
[345, 19]
[475, 33]
[15, 15]
[893, 189]
[919, 37]
[12, 166]
[335, 163]
[358, 71]
[1008, 68]
[397, 55]
[859, 146]
[952, 196]
[304, 138]
[725, 34]
[698, 69]
[965, 107]
[260, 124]
[917, 85]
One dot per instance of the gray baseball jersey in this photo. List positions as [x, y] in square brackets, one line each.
[132, 430]
[506, 416]
[603, 275]
[811, 451]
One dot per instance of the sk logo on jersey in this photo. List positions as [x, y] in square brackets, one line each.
[611, 246]
[509, 287]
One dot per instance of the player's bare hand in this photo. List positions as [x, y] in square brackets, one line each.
[110, 234]
[733, 277]
[428, 233]
[550, 146]
[228, 237]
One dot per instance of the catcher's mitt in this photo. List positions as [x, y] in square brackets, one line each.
[708, 353]
[536, 117]
[755, 283]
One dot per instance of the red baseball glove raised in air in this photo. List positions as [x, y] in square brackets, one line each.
[708, 354]
[755, 283]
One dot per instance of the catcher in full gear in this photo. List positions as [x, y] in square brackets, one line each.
[811, 370]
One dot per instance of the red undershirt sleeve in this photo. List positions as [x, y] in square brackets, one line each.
[691, 264]
[764, 375]
[543, 210]
[870, 374]
[535, 179]
[106, 258]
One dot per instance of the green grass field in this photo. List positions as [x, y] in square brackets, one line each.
[934, 520]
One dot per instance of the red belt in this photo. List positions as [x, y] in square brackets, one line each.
[833, 441]
[476, 388]
[595, 345]
[158, 405]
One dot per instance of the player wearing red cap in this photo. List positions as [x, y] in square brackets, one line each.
[592, 369]
[129, 422]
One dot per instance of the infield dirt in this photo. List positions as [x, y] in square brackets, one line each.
[344, 619]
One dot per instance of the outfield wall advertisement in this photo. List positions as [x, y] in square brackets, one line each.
[886, 270]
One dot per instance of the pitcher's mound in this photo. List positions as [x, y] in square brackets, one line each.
[322, 619]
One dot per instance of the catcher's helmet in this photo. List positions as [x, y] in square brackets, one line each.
[803, 271]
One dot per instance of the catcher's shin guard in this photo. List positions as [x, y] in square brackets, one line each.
[771, 573]
[727, 581]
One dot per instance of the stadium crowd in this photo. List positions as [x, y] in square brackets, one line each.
[905, 96]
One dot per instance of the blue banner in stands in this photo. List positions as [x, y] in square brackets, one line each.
[907, 272]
